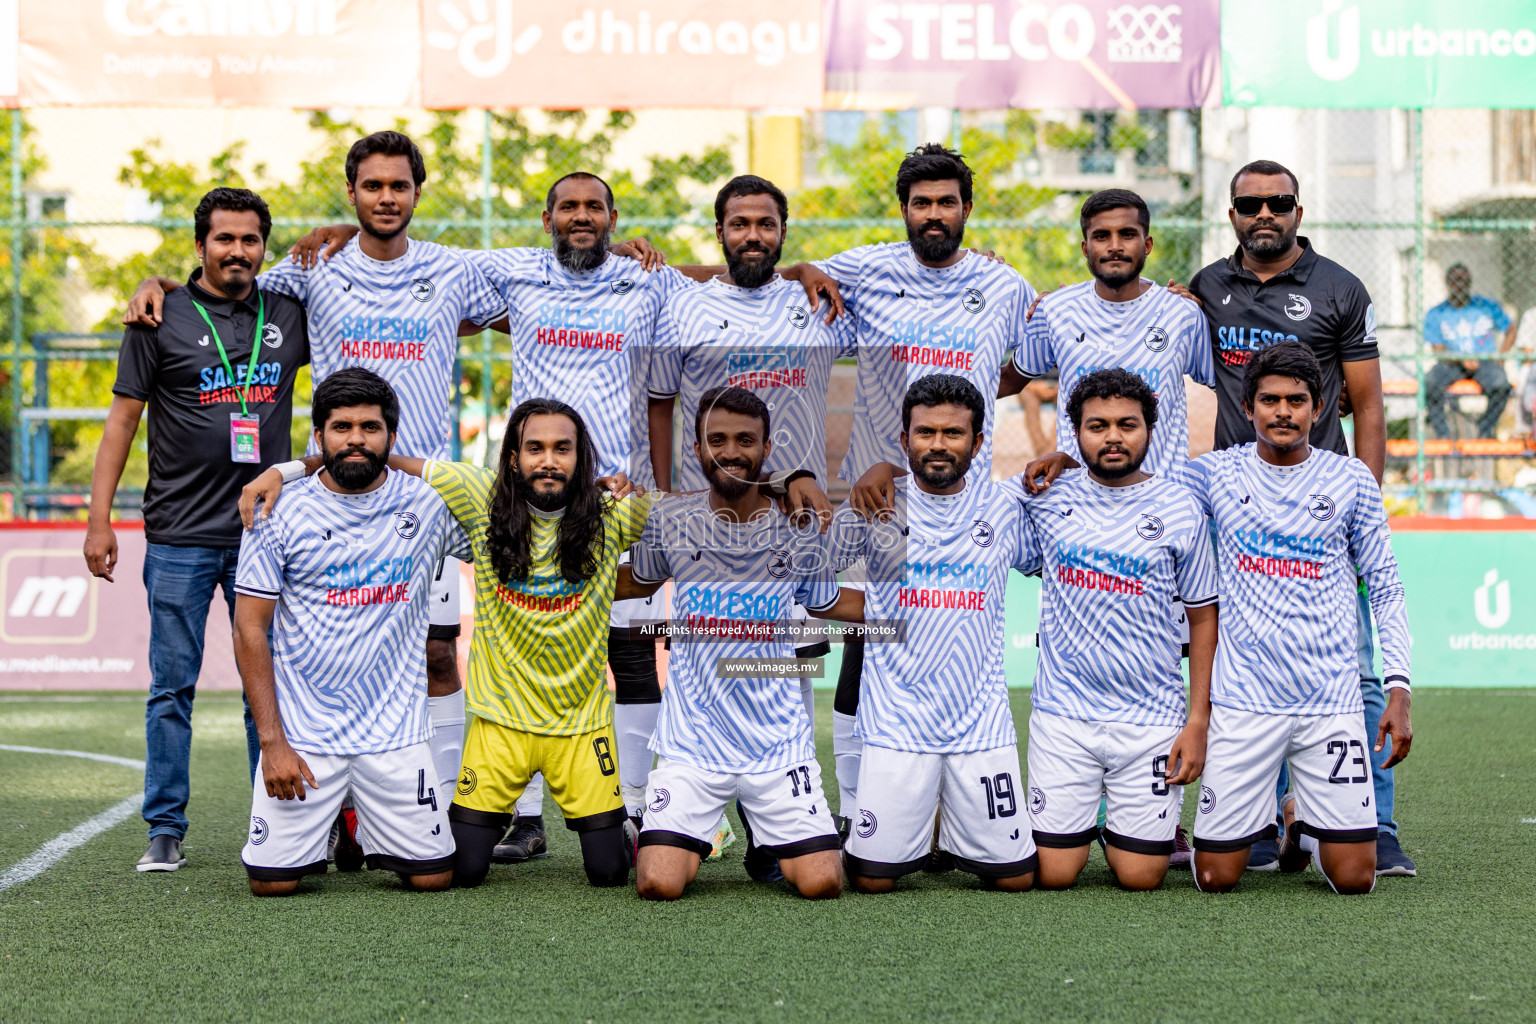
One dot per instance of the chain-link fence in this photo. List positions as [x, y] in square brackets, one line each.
[1397, 197]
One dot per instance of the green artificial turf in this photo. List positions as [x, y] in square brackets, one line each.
[91, 940]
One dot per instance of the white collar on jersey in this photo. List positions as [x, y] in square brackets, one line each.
[763, 291]
[938, 499]
[383, 263]
[539, 513]
[1122, 307]
[1270, 467]
[1120, 492]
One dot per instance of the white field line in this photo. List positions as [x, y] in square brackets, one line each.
[51, 852]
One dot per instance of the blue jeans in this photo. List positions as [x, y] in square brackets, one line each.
[181, 583]
[1375, 706]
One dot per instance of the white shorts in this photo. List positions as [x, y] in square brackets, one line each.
[402, 821]
[787, 809]
[1330, 774]
[979, 800]
[1072, 763]
[445, 599]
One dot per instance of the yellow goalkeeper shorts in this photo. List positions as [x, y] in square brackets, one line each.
[498, 763]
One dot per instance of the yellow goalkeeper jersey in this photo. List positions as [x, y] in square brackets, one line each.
[540, 645]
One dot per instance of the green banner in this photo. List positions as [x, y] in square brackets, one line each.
[1379, 53]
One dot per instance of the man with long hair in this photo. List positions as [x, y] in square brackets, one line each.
[546, 541]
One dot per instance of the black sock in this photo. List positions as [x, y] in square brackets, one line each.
[605, 856]
[472, 854]
[846, 700]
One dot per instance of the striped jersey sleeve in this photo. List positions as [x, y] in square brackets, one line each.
[1370, 545]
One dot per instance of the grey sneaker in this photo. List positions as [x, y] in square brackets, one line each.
[524, 842]
[1390, 858]
[1264, 855]
[164, 854]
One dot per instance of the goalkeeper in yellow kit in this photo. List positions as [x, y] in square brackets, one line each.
[547, 540]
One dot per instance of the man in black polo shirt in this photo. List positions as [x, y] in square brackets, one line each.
[1276, 288]
[217, 375]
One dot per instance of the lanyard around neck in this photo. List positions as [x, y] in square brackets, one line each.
[261, 324]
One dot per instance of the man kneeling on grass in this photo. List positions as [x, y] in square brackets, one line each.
[339, 692]
[728, 728]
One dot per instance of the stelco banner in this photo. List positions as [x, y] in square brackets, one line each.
[277, 53]
[659, 53]
[1012, 53]
[1379, 53]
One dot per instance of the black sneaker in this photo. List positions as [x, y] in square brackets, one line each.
[1264, 855]
[1183, 856]
[761, 865]
[346, 852]
[938, 862]
[524, 841]
[1290, 857]
[164, 854]
[843, 826]
[1390, 858]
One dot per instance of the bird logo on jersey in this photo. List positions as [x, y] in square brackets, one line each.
[1150, 527]
[1320, 507]
[799, 317]
[660, 800]
[1207, 800]
[272, 336]
[1156, 339]
[406, 524]
[1299, 308]
[973, 301]
[867, 823]
[467, 781]
[778, 563]
[622, 287]
[981, 533]
[259, 831]
[422, 289]
[1036, 800]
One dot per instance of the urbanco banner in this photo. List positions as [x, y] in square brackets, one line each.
[990, 54]
[1380, 53]
[648, 53]
[252, 53]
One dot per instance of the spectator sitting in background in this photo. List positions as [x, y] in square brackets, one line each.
[1466, 325]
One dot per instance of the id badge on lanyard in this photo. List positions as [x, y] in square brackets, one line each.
[244, 426]
[244, 437]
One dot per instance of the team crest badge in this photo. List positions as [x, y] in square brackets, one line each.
[1156, 339]
[868, 823]
[259, 831]
[467, 782]
[1207, 800]
[1036, 800]
[973, 300]
[422, 289]
[622, 287]
[799, 317]
[1320, 507]
[660, 800]
[778, 563]
[981, 533]
[1150, 527]
[1299, 308]
[406, 524]
[272, 336]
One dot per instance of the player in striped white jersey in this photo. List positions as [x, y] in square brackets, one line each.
[935, 721]
[1297, 529]
[1118, 319]
[737, 564]
[1124, 553]
[340, 576]
[394, 305]
[922, 306]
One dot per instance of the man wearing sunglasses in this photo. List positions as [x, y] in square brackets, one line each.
[1276, 288]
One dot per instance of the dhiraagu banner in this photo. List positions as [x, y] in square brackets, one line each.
[1379, 53]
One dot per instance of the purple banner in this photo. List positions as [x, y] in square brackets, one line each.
[1095, 54]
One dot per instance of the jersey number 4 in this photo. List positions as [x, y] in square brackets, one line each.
[425, 794]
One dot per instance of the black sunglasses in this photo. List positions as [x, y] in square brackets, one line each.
[1249, 206]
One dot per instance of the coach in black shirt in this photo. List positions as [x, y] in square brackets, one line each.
[217, 375]
[1276, 288]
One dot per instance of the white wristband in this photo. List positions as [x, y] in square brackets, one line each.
[295, 470]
